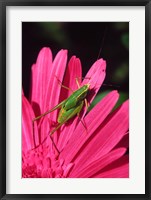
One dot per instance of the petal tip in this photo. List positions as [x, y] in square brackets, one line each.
[44, 52]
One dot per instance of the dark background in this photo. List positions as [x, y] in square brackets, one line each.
[88, 41]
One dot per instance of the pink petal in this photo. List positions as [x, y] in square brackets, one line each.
[97, 165]
[94, 118]
[95, 77]
[28, 141]
[52, 92]
[40, 78]
[73, 71]
[57, 73]
[44, 130]
[124, 142]
[106, 137]
[118, 169]
[67, 169]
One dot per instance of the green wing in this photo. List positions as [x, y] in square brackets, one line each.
[65, 115]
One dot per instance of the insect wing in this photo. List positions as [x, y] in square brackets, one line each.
[76, 97]
[65, 115]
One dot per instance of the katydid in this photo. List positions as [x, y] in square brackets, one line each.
[70, 107]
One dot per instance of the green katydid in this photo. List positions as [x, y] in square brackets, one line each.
[70, 107]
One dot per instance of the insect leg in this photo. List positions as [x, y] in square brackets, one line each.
[55, 129]
[86, 104]
[56, 107]
[54, 145]
[67, 88]
[77, 82]
[68, 114]
[49, 111]
[78, 114]
[33, 133]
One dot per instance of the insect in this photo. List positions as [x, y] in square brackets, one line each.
[70, 107]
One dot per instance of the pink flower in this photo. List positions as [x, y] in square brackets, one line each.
[99, 152]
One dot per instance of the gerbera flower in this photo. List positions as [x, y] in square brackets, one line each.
[97, 151]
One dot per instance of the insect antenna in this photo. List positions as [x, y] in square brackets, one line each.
[110, 85]
[102, 42]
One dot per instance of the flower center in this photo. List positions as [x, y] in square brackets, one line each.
[43, 163]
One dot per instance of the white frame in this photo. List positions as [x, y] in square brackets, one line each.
[136, 183]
